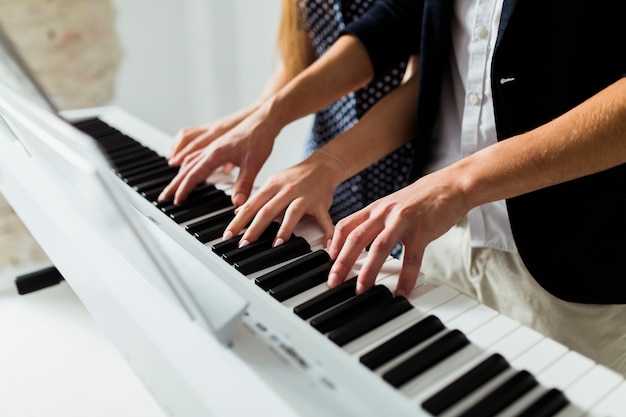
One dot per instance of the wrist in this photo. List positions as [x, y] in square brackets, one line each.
[331, 164]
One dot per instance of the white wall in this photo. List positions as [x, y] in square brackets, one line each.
[187, 62]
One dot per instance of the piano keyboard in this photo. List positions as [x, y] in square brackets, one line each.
[442, 352]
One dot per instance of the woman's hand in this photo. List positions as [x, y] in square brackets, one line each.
[306, 188]
[248, 145]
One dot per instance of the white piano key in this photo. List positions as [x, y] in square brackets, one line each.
[592, 387]
[473, 319]
[405, 355]
[452, 374]
[430, 300]
[454, 308]
[376, 337]
[470, 400]
[516, 343]
[513, 341]
[537, 358]
[524, 402]
[309, 230]
[470, 320]
[438, 301]
[540, 356]
[420, 387]
[565, 371]
[492, 331]
[572, 410]
[613, 405]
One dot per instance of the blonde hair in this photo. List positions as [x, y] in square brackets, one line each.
[288, 40]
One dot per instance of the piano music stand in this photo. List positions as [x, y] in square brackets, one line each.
[34, 125]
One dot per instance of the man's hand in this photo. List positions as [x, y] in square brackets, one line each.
[414, 215]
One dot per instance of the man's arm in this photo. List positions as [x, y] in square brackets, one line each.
[587, 139]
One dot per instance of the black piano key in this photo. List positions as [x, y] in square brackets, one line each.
[351, 309]
[233, 242]
[301, 283]
[197, 194]
[413, 336]
[106, 137]
[119, 149]
[260, 245]
[115, 145]
[292, 248]
[88, 123]
[426, 358]
[197, 201]
[152, 194]
[209, 222]
[137, 155]
[327, 299]
[214, 232]
[226, 245]
[292, 269]
[150, 175]
[98, 132]
[143, 168]
[200, 190]
[91, 124]
[137, 163]
[466, 384]
[219, 203]
[160, 183]
[370, 321]
[547, 405]
[503, 396]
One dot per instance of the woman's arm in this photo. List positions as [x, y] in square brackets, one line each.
[342, 69]
[308, 187]
[193, 138]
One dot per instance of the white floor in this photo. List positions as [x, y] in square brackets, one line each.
[54, 361]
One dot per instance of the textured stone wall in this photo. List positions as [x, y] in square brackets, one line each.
[72, 47]
[70, 44]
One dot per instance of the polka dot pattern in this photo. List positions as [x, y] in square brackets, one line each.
[325, 20]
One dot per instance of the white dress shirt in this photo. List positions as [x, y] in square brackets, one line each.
[466, 120]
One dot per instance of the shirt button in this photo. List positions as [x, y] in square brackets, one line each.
[481, 32]
[473, 98]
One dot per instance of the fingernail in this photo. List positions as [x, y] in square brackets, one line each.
[243, 243]
[400, 292]
[328, 242]
[239, 198]
[227, 235]
[237, 211]
[360, 288]
[278, 242]
[332, 279]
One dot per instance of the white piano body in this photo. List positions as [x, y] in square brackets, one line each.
[183, 364]
[202, 337]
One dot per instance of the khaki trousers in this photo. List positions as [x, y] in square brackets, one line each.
[500, 280]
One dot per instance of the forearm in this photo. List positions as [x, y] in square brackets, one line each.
[383, 129]
[588, 139]
[342, 69]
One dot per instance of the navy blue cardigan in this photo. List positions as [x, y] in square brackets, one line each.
[551, 55]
